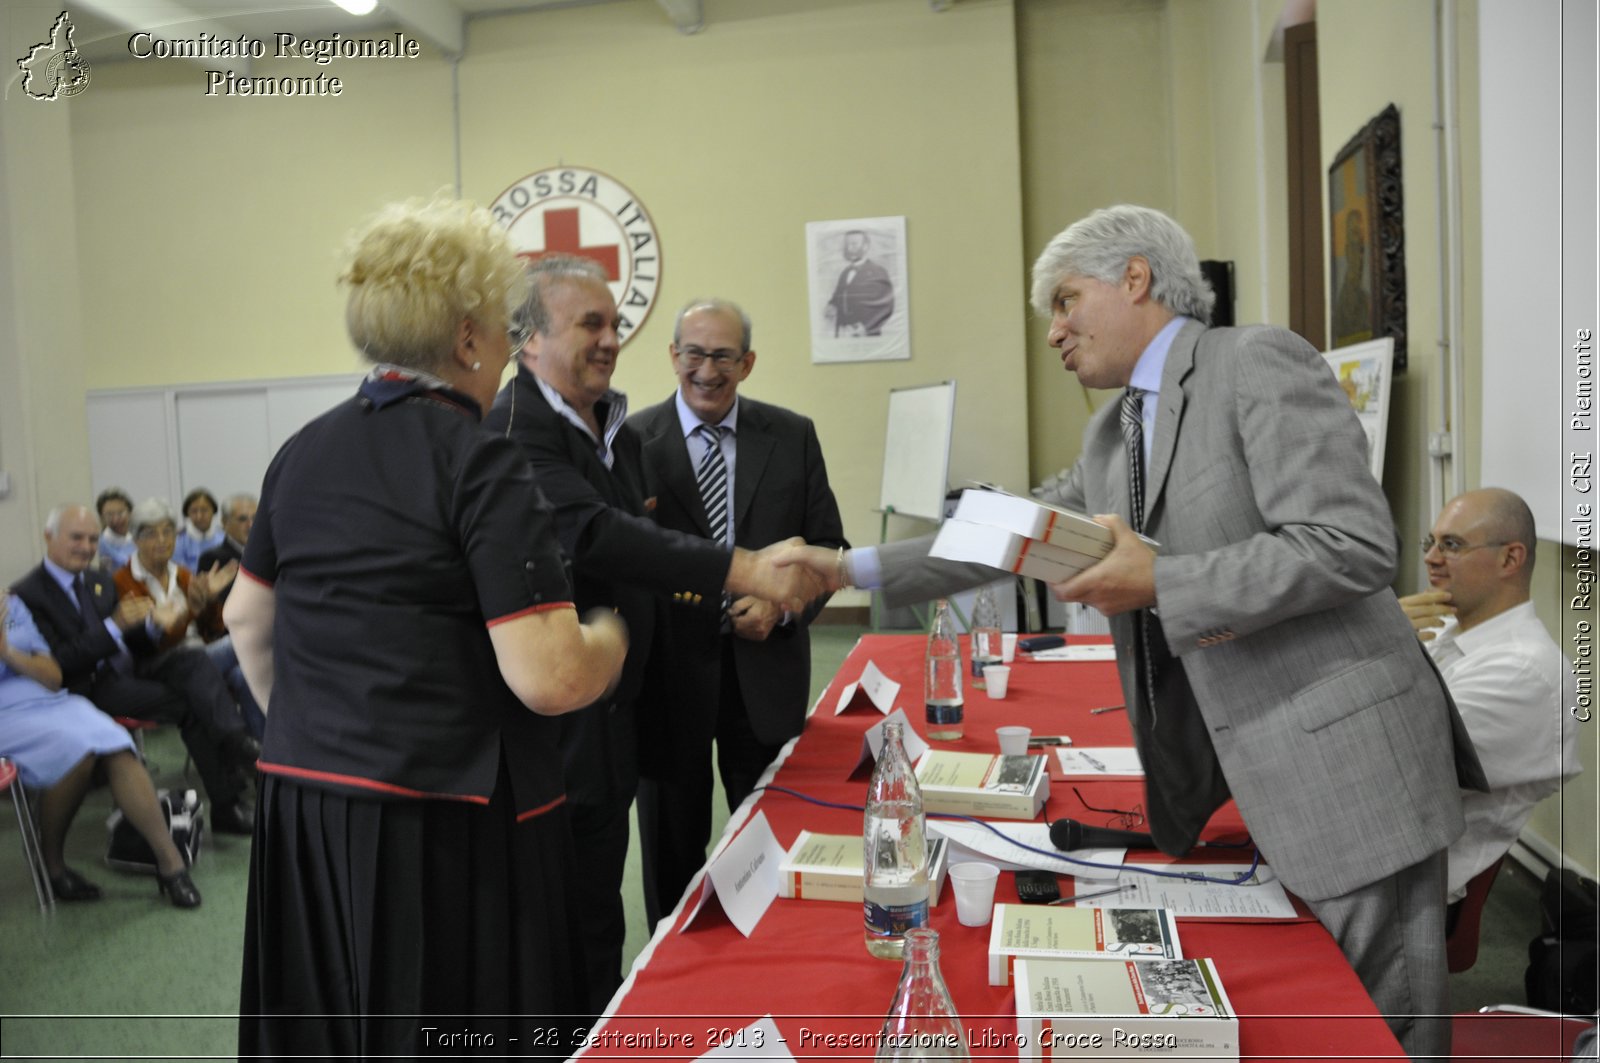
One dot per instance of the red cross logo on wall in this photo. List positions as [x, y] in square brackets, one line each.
[561, 237]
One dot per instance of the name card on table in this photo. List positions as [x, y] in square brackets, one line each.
[872, 741]
[743, 877]
[760, 1040]
[879, 690]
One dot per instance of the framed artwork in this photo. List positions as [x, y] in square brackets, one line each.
[1366, 373]
[1366, 230]
[857, 273]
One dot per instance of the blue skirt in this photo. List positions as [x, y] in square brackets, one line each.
[48, 733]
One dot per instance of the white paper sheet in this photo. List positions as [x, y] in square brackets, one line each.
[1100, 761]
[1099, 651]
[1264, 899]
[968, 842]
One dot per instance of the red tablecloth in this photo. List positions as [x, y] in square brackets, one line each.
[806, 963]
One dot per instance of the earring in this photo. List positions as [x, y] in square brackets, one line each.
[476, 366]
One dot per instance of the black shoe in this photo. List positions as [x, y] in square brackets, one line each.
[242, 751]
[237, 818]
[179, 888]
[71, 886]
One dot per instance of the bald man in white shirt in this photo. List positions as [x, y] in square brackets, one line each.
[1508, 677]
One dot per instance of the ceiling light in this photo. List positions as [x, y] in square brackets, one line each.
[357, 7]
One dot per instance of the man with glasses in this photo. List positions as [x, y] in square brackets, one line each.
[1507, 675]
[741, 473]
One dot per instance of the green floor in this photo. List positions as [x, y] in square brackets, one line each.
[81, 983]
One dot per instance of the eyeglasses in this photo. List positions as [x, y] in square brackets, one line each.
[722, 360]
[1450, 546]
[159, 531]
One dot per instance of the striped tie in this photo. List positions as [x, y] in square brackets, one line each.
[1132, 414]
[712, 479]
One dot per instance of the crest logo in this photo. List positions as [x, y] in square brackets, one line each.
[583, 212]
[55, 69]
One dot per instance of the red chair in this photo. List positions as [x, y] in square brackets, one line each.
[137, 727]
[1508, 1033]
[11, 783]
[1461, 944]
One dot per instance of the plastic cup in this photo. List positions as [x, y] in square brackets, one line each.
[1008, 647]
[996, 678]
[1013, 740]
[974, 886]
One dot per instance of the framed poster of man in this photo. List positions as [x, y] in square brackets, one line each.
[857, 273]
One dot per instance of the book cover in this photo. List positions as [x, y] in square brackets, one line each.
[961, 540]
[1034, 519]
[1142, 1009]
[827, 867]
[1021, 930]
[983, 784]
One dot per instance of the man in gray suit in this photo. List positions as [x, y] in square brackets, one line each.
[1261, 651]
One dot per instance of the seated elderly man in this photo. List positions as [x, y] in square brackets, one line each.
[1507, 675]
[60, 743]
[238, 514]
[108, 653]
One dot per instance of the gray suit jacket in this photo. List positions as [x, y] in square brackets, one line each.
[1334, 732]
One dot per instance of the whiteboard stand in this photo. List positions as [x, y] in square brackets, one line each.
[916, 462]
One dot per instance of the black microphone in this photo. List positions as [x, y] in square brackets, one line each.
[1069, 834]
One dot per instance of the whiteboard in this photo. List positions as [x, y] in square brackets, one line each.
[165, 442]
[916, 451]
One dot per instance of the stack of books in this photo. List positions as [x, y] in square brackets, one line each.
[983, 784]
[1128, 1009]
[827, 867]
[1020, 931]
[1021, 535]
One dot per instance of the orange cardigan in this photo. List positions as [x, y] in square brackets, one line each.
[130, 586]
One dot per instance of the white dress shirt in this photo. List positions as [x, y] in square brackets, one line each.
[1513, 687]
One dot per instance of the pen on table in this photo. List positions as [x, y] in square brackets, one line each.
[1105, 709]
[1092, 894]
[1050, 740]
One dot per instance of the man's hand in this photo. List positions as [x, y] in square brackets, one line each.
[820, 561]
[217, 580]
[753, 618]
[768, 574]
[1427, 612]
[1123, 580]
[131, 612]
[172, 615]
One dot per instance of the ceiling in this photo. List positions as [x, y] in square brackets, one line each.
[102, 27]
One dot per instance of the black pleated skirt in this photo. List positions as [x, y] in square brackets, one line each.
[407, 928]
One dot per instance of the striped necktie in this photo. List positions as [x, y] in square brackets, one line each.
[712, 479]
[1132, 414]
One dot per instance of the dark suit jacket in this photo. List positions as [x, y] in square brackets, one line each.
[780, 489]
[78, 647]
[620, 560]
[867, 300]
[209, 622]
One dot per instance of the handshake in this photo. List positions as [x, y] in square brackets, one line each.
[784, 577]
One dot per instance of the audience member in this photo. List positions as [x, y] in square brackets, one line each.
[238, 513]
[561, 409]
[740, 674]
[107, 651]
[1507, 675]
[116, 545]
[200, 532]
[59, 742]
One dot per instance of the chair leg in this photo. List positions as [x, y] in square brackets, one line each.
[31, 849]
